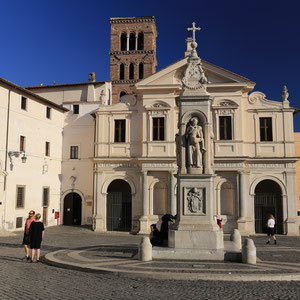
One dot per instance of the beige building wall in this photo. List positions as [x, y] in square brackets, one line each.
[78, 131]
[40, 170]
[297, 153]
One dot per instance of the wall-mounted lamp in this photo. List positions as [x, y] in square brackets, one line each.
[16, 154]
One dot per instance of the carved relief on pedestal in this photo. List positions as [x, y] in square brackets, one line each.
[194, 201]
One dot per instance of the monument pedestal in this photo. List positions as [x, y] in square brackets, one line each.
[195, 235]
[199, 240]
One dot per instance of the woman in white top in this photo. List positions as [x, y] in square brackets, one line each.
[271, 229]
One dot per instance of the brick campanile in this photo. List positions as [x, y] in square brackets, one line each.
[132, 53]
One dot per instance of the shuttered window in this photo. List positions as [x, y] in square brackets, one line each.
[20, 196]
[45, 197]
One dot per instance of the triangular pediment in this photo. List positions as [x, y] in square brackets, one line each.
[172, 75]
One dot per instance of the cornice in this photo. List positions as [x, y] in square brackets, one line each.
[131, 52]
[132, 81]
[132, 20]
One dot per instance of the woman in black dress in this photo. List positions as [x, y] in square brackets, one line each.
[36, 232]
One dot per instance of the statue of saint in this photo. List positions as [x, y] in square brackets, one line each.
[195, 144]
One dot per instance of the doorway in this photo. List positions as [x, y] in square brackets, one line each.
[268, 200]
[72, 209]
[118, 206]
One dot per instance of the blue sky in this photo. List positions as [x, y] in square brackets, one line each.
[64, 40]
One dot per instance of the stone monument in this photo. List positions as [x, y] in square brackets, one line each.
[195, 235]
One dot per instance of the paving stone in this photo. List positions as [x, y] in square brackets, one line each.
[21, 280]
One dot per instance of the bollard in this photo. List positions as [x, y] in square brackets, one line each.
[249, 252]
[145, 249]
[236, 238]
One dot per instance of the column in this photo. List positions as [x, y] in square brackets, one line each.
[242, 212]
[144, 226]
[173, 209]
[145, 194]
[98, 203]
[290, 203]
[136, 41]
[243, 197]
[207, 155]
[127, 48]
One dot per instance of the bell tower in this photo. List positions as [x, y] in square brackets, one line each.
[132, 53]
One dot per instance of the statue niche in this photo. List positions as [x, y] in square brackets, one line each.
[195, 145]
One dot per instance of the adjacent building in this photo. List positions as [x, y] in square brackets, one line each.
[30, 156]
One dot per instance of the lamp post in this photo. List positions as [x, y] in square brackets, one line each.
[11, 154]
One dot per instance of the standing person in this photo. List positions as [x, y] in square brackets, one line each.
[36, 232]
[271, 229]
[26, 238]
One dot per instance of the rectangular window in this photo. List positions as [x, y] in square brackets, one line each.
[48, 112]
[74, 152]
[265, 129]
[19, 222]
[120, 131]
[47, 149]
[158, 129]
[225, 128]
[75, 109]
[20, 196]
[22, 143]
[45, 197]
[23, 103]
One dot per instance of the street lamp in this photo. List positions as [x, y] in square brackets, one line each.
[16, 154]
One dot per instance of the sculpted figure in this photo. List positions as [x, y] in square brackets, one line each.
[195, 143]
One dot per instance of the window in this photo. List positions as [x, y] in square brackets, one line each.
[141, 71]
[22, 143]
[74, 152]
[132, 41]
[120, 131]
[45, 197]
[23, 103]
[123, 42]
[48, 112]
[75, 109]
[122, 94]
[225, 128]
[20, 196]
[158, 129]
[131, 71]
[122, 72]
[47, 149]
[141, 41]
[19, 222]
[265, 129]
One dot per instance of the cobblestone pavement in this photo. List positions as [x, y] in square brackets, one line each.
[20, 280]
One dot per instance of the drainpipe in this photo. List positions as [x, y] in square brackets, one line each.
[7, 134]
[6, 155]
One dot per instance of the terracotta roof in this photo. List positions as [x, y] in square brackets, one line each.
[24, 91]
[63, 85]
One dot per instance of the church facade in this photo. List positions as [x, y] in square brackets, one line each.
[253, 155]
[120, 142]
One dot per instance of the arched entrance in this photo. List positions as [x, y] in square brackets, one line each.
[118, 206]
[268, 200]
[72, 209]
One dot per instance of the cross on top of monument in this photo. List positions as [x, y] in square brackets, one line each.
[194, 30]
